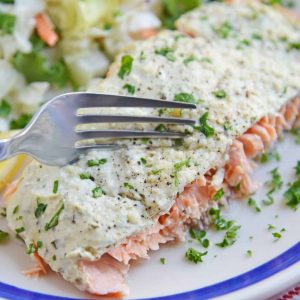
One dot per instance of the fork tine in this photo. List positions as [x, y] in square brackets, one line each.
[87, 119]
[86, 100]
[97, 134]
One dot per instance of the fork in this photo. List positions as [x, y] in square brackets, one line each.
[52, 136]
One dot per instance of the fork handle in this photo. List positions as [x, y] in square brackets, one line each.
[4, 149]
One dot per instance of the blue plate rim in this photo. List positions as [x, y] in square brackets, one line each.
[264, 271]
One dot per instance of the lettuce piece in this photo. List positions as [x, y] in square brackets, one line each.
[75, 17]
[35, 67]
[7, 23]
[173, 9]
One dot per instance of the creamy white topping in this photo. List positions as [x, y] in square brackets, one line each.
[237, 79]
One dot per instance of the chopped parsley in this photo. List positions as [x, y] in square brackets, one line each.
[160, 128]
[276, 182]
[242, 44]
[292, 195]
[276, 235]
[145, 163]
[189, 59]
[167, 52]
[185, 97]
[199, 235]
[3, 236]
[40, 209]
[220, 94]
[128, 186]
[269, 156]
[219, 194]
[203, 127]
[256, 36]
[55, 187]
[252, 203]
[96, 162]
[162, 260]
[194, 255]
[97, 192]
[16, 209]
[249, 253]
[156, 172]
[178, 167]
[142, 56]
[130, 88]
[20, 122]
[3, 212]
[5, 109]
[85, 176]
[206, 60]
[54, 257]
[7, 23]
[271, 227]
[230, 236]
[54, 220]
[295, 46]
[227, 126]
[269, 201]
[31, 249]
[20, 229]
[126, 66]
[224, 30]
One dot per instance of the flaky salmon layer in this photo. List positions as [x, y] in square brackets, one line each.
[192, 205]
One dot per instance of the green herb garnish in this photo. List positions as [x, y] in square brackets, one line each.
[130, 88]
[16, 209]
[269, 201]
[292, 195]
[85, 176]
[269, 156]
[249, 253]
[97, 192]
[271, 227]
[20, 122]
[252, 203]
[224, 30]
[276, 235]
[297, 168]
[220, 94]
[194, 255]
[162, 260]
[199, 235]
[230, 237]
[219, 194]
[189, 59]
[276, 182]
[54, 220]
[126, 66]
[185, 97]
[156, 172]
[96, 162]
[41, 207]
[167, 52]
[160, 128]
[5, 109]
[55, 186]
[178, 167]
[20, 229]
[203, 127]
[128, 186]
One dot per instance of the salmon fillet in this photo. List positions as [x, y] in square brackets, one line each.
[114, 207]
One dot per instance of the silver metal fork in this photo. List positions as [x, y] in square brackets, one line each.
[52, 135]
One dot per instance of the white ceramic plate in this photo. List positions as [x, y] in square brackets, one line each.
[274, 265]
[226, 273]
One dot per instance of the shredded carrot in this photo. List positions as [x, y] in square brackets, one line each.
[45, 29]
[10, 189]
